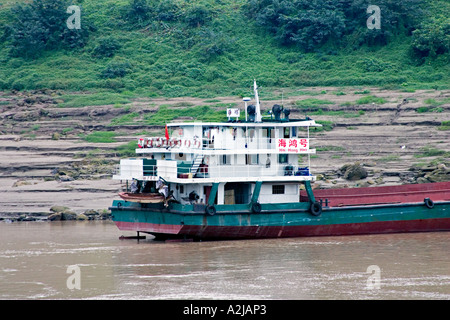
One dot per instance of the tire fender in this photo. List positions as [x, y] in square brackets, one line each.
[316, 209]
[210, 210]
[429, 203]
[256, 207]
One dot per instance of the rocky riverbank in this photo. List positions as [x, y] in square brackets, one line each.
[49, 170]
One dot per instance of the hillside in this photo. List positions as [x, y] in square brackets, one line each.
[211, 48]
[73, 102]
[51, 154]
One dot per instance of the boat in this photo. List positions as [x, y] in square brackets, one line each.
[250, 177]
[142, 197]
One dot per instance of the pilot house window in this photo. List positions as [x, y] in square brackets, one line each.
[278, 189]
[225, 159]
[252, 159]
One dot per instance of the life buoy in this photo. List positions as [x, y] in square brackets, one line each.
[429, 203]
[207, 160]
[178, 143]
[210, 210]
[316, 209]
[197, 144]
[256, 207]
[149, 143]
[187, 143]
[141, 143]
[158, 142]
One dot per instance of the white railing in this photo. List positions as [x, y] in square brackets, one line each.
[170, 169]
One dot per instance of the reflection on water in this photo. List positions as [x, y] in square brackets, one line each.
[35, 256]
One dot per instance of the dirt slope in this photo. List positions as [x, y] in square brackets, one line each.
[44, 162]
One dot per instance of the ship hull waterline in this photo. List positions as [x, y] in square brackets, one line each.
[238, 222]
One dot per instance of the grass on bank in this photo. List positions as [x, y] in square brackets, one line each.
[94, 99]
[432, 152]
[99, 137]
[445, 125]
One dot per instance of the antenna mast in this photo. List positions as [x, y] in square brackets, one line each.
[258, 107]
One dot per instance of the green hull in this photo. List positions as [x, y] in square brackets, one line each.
[277, 220]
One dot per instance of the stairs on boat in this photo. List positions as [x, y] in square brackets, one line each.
[196, 164]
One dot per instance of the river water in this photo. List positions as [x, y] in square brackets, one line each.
[87, 260]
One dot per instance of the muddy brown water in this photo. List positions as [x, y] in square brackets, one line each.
[87, 260]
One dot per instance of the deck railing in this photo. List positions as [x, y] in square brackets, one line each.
[169, 169]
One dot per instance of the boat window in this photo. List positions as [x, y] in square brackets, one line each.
[252, 159]
[278, 189]
[225, 159]
[282, 158]
[251, 134]
[268, 133]
[180, 156]
[294, 132]
[286, 132]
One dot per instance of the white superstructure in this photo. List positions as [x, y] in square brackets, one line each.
[233, 156]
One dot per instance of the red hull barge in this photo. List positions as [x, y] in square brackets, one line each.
[412, 208]
[439, 191]
[164, 232]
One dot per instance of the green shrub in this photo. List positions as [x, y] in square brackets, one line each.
[127, 150]
[422, 109]
[106, 47]
[197, 15]
[313, 24]
[126, 119]
[116, 69]
[137, 12]
[445, 125]
[41, 25]
[312, 102]
[100, 137]
[432, 38]
[376, 65]
[370, 99]
[326, 126]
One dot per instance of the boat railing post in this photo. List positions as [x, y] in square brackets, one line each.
[309, 191]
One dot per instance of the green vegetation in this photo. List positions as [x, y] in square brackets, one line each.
[370, 99]
[129, 118]
[389, 158]
[326, 126]
[434, 102]
[312, 102]
[445, 125]
[94, 99]
[428, 109]
[127, 150]
[211, 48]
[330, 148]
[201, 113]
[362, 92]
[100, 137]
[340, 113]
[432, 152]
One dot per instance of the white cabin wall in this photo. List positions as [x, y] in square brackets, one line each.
[291, 194]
